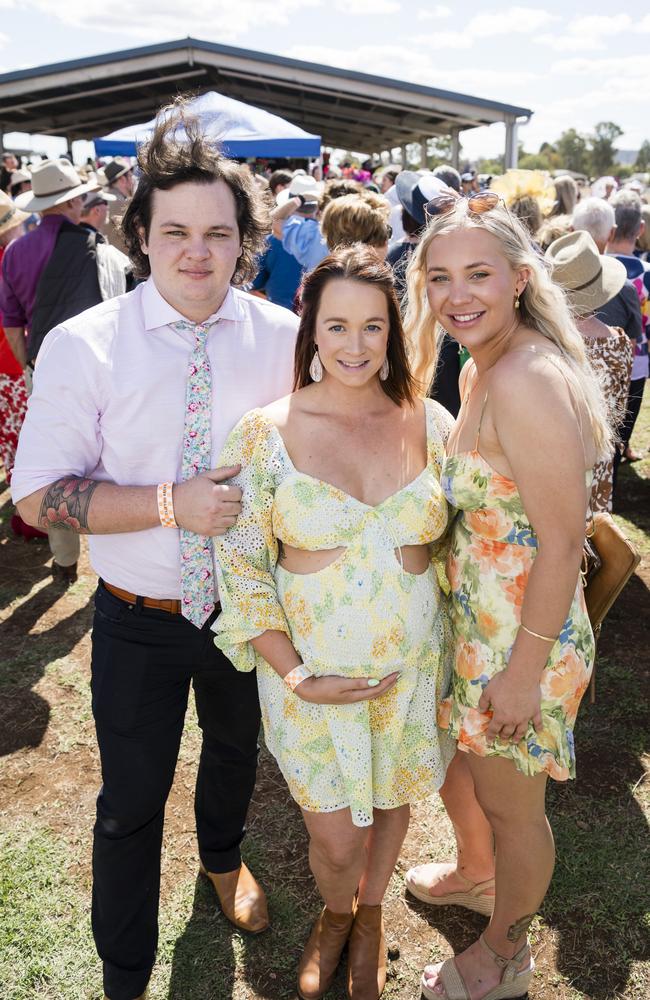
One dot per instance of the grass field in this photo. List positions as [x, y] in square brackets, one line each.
[591, 940]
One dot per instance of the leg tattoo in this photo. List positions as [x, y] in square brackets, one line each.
[519, 928]
[66, 503]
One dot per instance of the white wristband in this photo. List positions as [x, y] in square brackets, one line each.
[297, 676]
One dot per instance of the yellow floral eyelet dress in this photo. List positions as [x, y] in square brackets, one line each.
[363, 615]
[493, 548]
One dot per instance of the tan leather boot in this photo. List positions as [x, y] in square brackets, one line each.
[322, 954]
[241, 897]
[367, 954]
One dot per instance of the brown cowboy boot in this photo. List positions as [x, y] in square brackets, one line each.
[241, 897]
[367, 954]
[322, 954]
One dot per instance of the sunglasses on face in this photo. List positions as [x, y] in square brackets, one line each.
[478, 204]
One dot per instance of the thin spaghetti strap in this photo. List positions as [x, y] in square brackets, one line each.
[480, 421]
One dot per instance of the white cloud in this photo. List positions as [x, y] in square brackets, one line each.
[433, 14]
[590, 33]
[164, 19]
[512, 20]
[445, 40]
[630, 66]
[519, 20]
[368, 7]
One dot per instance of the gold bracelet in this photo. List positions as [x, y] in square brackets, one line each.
[546, 638]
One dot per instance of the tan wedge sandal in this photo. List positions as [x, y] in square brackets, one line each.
[477, 896]
[514, 982]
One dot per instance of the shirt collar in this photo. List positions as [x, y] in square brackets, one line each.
[158, 312]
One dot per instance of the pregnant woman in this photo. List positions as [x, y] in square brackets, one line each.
[330, 587]
[532, 424]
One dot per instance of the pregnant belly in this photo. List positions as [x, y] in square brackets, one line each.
[352, 617]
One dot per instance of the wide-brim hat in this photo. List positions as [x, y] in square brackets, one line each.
[19, 177]
[305, 185]
[98, 198]
[414, 190]
[116, 168]
[10, 214]
[53, 183]
[589, 278]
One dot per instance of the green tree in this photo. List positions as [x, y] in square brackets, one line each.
[572, 149]
[490, 166]
[439, 150]
[603, 151]
[643, 157]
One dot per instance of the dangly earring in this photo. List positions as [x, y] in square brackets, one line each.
[517, 300]
[316, 368]
[384, 370]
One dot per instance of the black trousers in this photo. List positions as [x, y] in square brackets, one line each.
[143, 661]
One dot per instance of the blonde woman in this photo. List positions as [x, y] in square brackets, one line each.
[518, 470]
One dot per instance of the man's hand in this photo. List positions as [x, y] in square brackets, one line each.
[335, 690]
[206, 504]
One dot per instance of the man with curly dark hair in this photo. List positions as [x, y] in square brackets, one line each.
[132, 403]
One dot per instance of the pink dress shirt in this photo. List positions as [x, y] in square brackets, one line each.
[109, 403]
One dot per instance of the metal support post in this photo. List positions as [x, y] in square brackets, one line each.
[455, 147]
[512, 152]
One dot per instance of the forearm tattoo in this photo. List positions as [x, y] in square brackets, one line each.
[519, 928]
[66, 503]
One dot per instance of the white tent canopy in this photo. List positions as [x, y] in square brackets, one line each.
[241, 129]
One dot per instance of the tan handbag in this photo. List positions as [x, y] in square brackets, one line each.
[610, 560]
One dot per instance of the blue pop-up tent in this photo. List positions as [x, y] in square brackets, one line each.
[241, 129]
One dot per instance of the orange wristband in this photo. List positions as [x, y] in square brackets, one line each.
[166, 505]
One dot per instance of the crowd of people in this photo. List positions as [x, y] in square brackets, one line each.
[334, 443]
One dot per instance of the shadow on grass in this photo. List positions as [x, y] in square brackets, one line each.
[24, 564]
[598, 896]
[24, 714]
[632, 499]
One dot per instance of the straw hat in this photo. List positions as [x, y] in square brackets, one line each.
[10, 215]
[53, 183]
[589, 278]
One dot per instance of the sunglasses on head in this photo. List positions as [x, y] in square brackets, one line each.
[478, 204]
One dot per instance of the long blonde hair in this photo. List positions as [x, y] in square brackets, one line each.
[543, 307]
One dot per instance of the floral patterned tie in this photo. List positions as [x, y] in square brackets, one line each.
[197, 569]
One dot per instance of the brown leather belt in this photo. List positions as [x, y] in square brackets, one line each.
[171, 605]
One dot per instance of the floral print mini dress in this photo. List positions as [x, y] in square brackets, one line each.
[363, 615]
[493, 548]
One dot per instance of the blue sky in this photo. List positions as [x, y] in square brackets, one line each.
[573, 64]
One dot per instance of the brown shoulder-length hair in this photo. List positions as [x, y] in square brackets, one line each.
[355, 263]
[170, 158]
